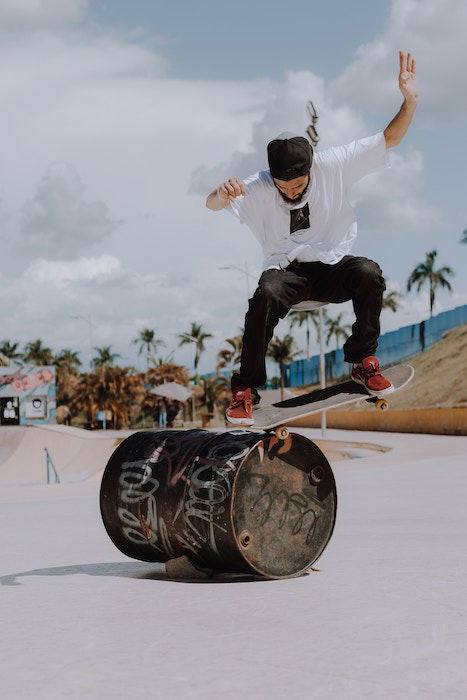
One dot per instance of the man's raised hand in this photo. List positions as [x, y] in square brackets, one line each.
[407, 78]
[231, 189]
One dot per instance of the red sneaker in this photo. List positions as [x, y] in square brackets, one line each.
[240, 409]
[368, 374]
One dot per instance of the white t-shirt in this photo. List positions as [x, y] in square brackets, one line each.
[331, 228]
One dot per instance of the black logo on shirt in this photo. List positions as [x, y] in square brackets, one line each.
[299, 219]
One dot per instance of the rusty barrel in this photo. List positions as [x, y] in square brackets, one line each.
[235, 501]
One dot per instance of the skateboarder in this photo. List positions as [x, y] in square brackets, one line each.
[300, 213]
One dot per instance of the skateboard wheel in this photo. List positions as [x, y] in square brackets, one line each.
[245, 538]
[282, 433]
[381, 404]
[317, 474]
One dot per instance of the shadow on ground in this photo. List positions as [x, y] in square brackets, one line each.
[136, 570]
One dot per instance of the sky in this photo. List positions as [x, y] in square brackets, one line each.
[119, 118]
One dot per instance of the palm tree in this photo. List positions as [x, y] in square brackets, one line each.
[36, 354]
[148, 342]
[66, 363]
[283, 352]
[214, 390]
[108, 388]
[336, 329]
[197, 336]
[392, 300]
[167, 372]
[105, 357]
[297, 318]
[231, 355]
[67, 360]
[425, 271]
[10, 352]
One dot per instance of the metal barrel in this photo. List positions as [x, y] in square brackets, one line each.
[235, 501]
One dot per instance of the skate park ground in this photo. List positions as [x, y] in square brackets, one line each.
[382, 618]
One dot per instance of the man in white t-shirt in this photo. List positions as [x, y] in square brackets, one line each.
[300, 213]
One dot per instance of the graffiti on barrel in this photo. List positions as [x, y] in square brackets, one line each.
[300, 512]
[238, 500]
[206, 478]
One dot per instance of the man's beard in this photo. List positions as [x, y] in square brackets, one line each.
[295, 200]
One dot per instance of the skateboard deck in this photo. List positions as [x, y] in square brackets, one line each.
[282, 412]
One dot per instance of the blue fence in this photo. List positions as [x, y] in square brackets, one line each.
[393, 347]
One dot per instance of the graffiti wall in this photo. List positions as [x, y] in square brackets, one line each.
[27, 395]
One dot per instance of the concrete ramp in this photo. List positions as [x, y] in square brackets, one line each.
[76, 454]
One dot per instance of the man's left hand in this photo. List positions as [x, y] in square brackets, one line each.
[407, 78]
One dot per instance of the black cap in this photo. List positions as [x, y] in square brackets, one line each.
[289, 156]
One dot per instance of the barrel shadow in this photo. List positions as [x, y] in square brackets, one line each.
[137, 570]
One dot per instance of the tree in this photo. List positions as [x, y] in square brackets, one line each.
[283, 352]
[336, 329]
[148, 342]
[10, 351]
[108, 388]
[425, 272]
[214, 390]
[197, 336]
[167, 372]
[392, 300]
[105, 358]
[464, 236]
[298, 317]
[66, 363]
[67, 360]
[232, 354]
[36, 354]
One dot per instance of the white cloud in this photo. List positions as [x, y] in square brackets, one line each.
[118, 302]
[284, 110]
[62, 273]
[59, 220]
[29, 14]
[390, 201]
[435, 32]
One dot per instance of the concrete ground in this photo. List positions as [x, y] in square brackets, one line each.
[383, 617]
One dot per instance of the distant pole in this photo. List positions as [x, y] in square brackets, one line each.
[247, 274]
[322, 367]
[312, 133]
[244, 271]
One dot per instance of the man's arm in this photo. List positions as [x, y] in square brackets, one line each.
[397, 128]
[225, 193]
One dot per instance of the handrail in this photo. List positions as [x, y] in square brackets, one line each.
[50, 465]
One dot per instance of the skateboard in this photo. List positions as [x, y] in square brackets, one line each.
[275, 417]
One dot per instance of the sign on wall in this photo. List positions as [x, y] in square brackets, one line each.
[27, 395]
[9, 410]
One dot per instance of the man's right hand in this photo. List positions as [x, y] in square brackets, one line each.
[231, 189]
[226, 193]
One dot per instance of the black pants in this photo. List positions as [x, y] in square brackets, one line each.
[355, 278]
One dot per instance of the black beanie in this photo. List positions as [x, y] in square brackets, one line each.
[289, 156]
